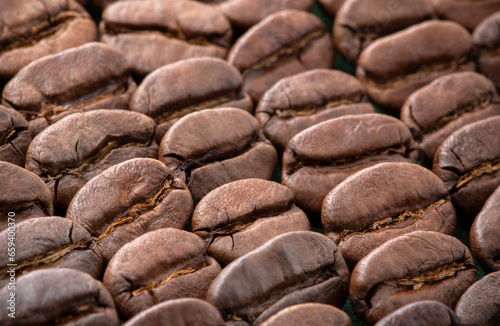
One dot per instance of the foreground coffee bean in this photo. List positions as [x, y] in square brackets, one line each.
[23, 195]
[486, 39]
[283, 44]
[59, 297]
[422, 265]
[240, 216]
[128, 200]
[49, 242]
[391, 69]
[484, 234]
[466, 13]
[300, 101]
[14, 136]
[468, 162]
[194, 85]
[316, 314]
[436, 110]
[376, 205]
[320, 157]
[293, 268]
[421, 313]
[178, 267]
[209, 148]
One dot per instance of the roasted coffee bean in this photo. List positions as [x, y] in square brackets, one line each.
[240, 216]
[14, 136]
[422, 265]
[360, 22]
[178, 267]
[59, 297]
[466, 13]
[331, 6]
[90, 77]
[32, 29]
[128, 200]
[484, 234]
[153, 34]
[394, 66]
[486, 39]
[421, 313]
[193, 85]
[72, 151]
[376, 205]
[23, 195]
[49, 242]
[314, 314]
[320, 157]
[468, 162]
[209, 148]
[283, 44]
[480, 304]
[296, 267]
[300, 101]
[436, 110]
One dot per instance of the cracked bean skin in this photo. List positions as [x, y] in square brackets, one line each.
[381, 192]
[486, 40]
[128, 200]
[468, 162]
[426, 312]
[178, 267]
[316, 314]
[240, 216]
[395, 274]
[14, 136]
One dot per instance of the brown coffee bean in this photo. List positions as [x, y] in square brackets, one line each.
[376, 205]
[421, 313]
[316, 314]
[90, 77]
[283, 44]
[360, 22]
[14, 136]
[394, 66]
[209, 148]
[240, 216]
[422, 265]
[436, 110]
[178, 267]
[468, 162]
[153, 34]
[194, 85]
[47, 242]
[23, 195]
[466, 13]
[486, 39]
[320, 157]
[296, 267]
[484, 234]
[300, 101]
[32, 29]
[331, 6]
[59, 297]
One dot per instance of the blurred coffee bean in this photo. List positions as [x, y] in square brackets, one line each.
[316, 314]
[466, 13]
[14, 136]
[486, 39]
[421, 313]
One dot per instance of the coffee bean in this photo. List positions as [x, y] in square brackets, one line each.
[420, 313]
[14, 136]
[486, 39]
[316, 314]
[466, 13]
[331, 6]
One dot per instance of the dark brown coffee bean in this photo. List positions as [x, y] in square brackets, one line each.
[436, 110]
[14, 136]
[421, 313]
[240, 216]
[178, 267]
[153, 34]
[394, 66]
[283, 44]
[90, 77]
[59, 297]
[194, 85]
[466, 13]
[293, 268]
[422, 265]
[209, 148]
[23, 195]
[300, 101]
[320, 157]
[360, 22]
[128, 200]
[486, 39]
[485, 233]
[316, 314]
[72, 151]
[49, 242]
[468, 162]
[32, 29]
[376, 205]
